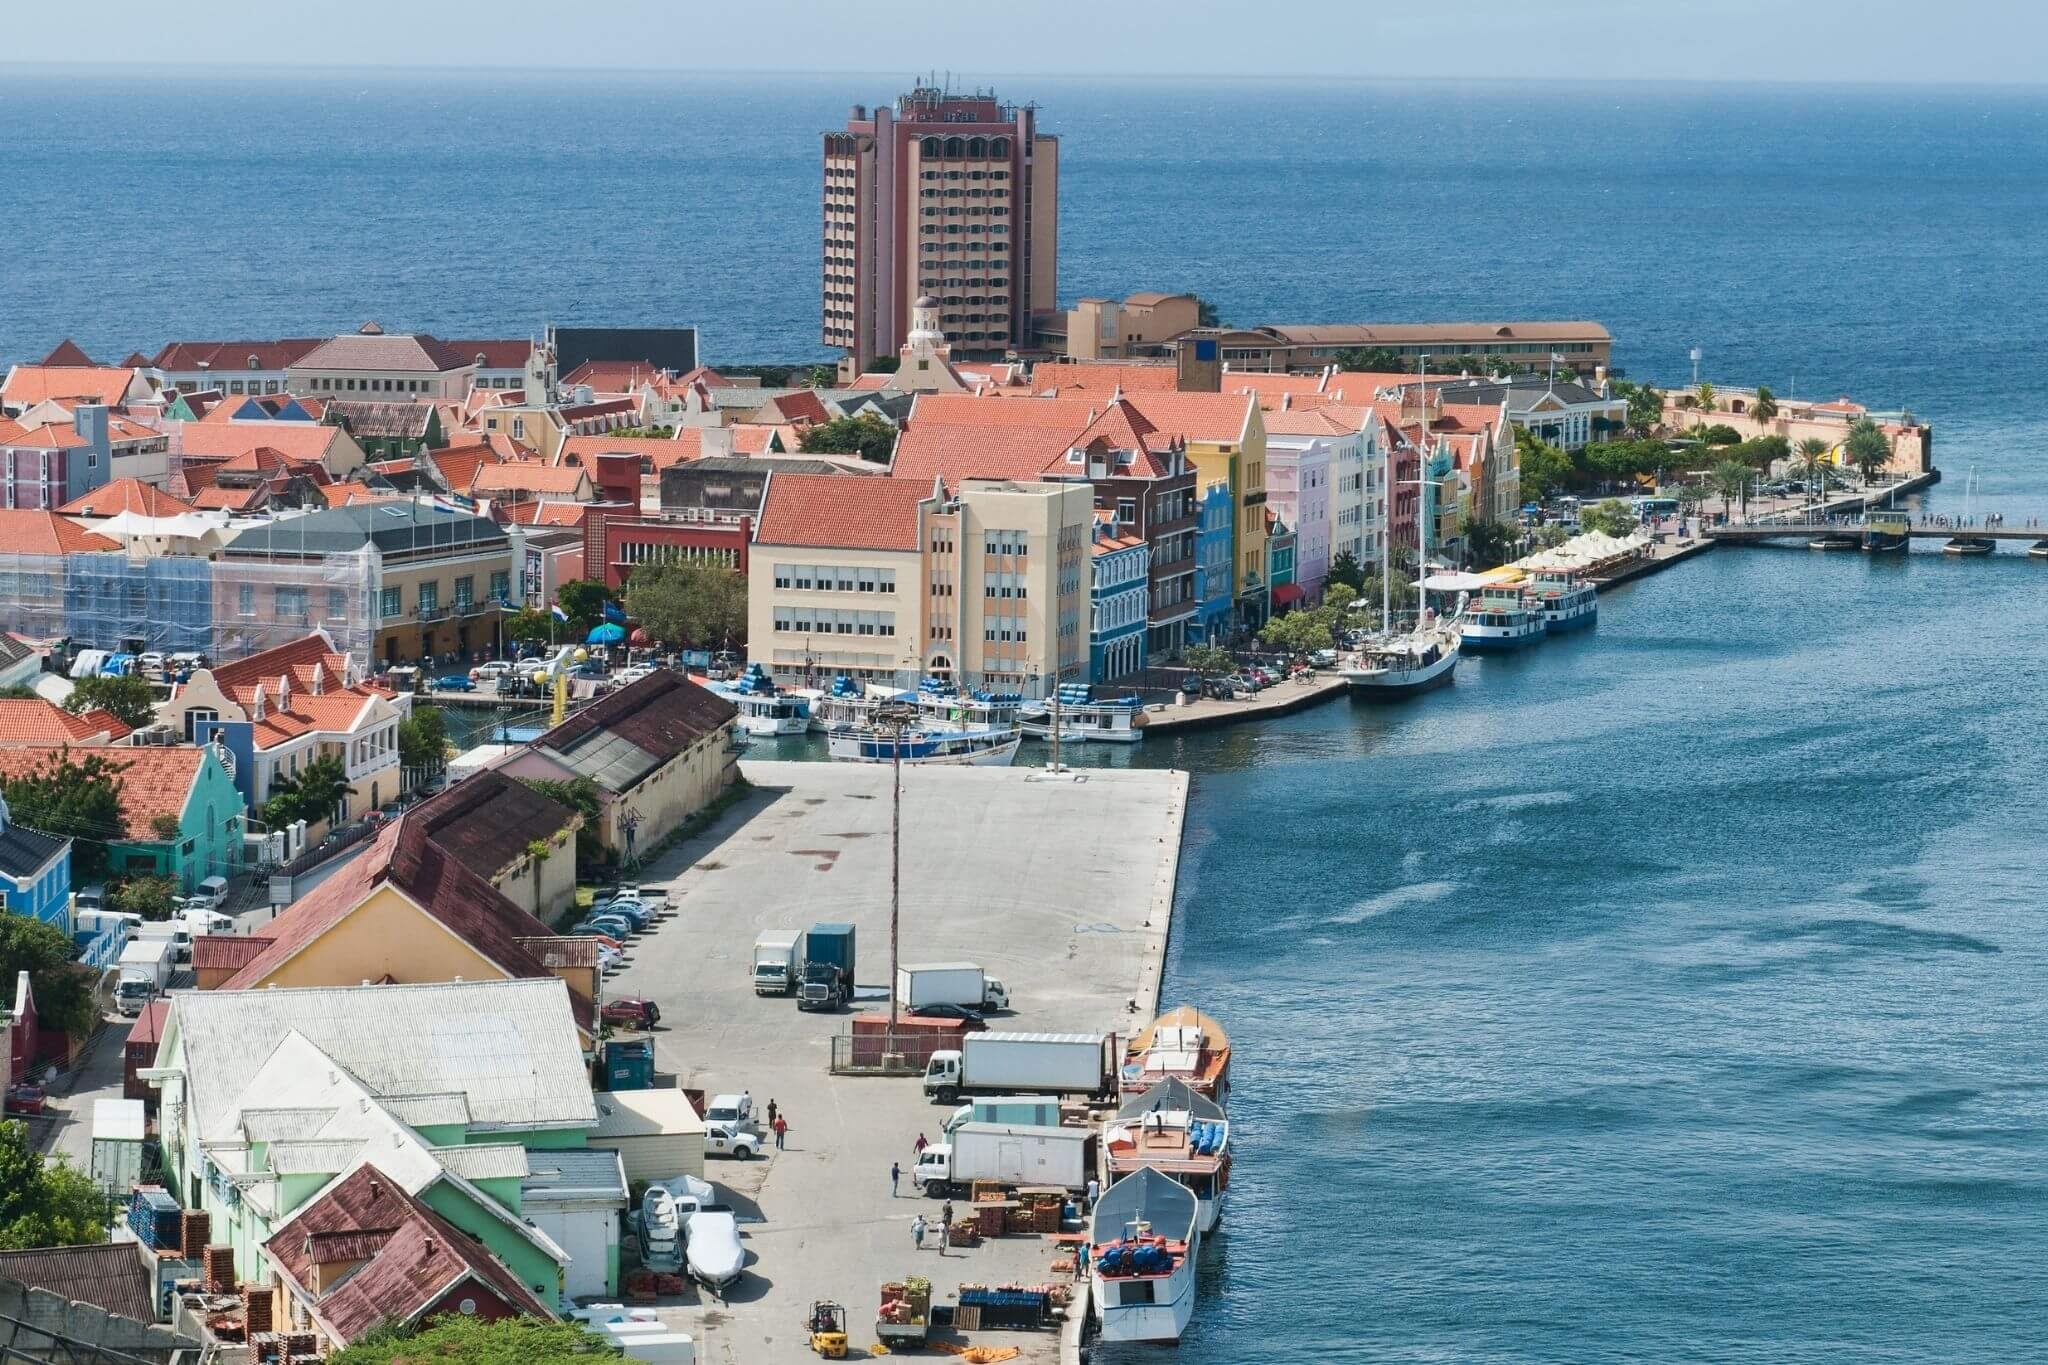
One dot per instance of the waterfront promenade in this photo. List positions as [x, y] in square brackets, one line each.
[1061, 886]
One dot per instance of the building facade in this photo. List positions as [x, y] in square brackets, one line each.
[1584, 346]
[1118, 599]
[35, 873]
[956, 196]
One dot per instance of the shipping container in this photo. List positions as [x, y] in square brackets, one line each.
[915, 1039]
[140, 1051]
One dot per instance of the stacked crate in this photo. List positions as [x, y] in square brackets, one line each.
[220, 1269]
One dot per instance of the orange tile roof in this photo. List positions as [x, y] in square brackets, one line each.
[342, 494]
[611, 376]
[1103, 376]
[524, 476]
[155, 781]
[307, 442]
[1317, 421]
[26, 384]
[548, 513]
[660, 451]
[215, 499]
[458, 464]
[802, 406]
[1363, 386]
[125, 495]
[33, 531]
[35, 721]
[758, 438]
[837, 511]
[941, 450]
[49, 436]
[1068, 415]
[1271, 385]
[1212, 417]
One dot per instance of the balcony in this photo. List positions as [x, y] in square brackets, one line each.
[432, 614]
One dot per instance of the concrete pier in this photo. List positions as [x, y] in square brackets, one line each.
[1060, 885]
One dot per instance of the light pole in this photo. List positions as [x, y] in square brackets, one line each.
[894, 717]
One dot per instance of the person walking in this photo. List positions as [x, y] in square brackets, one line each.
[945, 1237]
[781, 1127]
[895, 1174]
[771, 1113]
[919, 1146]
[917, 1232]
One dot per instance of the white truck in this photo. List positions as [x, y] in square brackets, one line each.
[1009, 1154]
[1023, 1064]
[117, 1134]
[144, 970]
[1031, 1110]
[921, 985]
[174, 931]
[775, 961]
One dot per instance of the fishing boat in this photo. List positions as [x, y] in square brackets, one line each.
[1567, 603]
[763, 709]
[1142, 1242]
[940, 705]
[845, 705]
[978, 748]
[1182, 1044]
[1083, 718]
[1180, 1134]
[1500, 620]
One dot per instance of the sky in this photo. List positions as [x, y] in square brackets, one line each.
[1882, 41]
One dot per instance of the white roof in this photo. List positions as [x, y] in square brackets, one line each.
[117, 1120]
[509, 1047]
[645, 1113]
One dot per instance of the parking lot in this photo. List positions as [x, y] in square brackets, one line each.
[1060, 886]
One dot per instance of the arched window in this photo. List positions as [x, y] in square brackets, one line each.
[479, 360]
[254, 363]
[999, 147]
[953, 147]
[977, 147]
[929, 147]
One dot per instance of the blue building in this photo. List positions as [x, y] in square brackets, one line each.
[1119, 602]
[35, 873]
[1215, 541]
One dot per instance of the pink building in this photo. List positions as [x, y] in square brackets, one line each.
[1298, 474]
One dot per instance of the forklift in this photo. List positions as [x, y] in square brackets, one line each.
[827, 1328]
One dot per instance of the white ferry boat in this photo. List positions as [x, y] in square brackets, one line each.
[979, 748]
[1499, 621]
[1566, 603]
[1181, 1134]
[1142, 1242]
[1082, 719]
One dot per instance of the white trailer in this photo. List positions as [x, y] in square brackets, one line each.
[921, 985]
[1009, 1154]
[1023, 1064]
[117, 1133]
[775, 960]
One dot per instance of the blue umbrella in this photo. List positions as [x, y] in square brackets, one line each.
[607, 634]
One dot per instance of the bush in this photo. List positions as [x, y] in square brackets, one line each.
[149, 897]
[1719, 434]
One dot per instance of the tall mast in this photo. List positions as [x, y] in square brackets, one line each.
[1422, 496]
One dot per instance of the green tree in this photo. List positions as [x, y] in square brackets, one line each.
[423, 739]
[149, 897]
[18, 692]
[1398, 590]
[454, 1340]
[580, 795]
[1645, 409]
[1765, 408]
[1867, 447]
[45, 1203]
[863, 434]
[1546, 470]
[1730, 479]
[74, 798]
[689, 604]
[821, 377]
[1719, 434]
[583, 599]
[1612, 516]
[1208, 661]
[1488, 542]
[1813, 462]
[1346, 569]
[130, 699]
[63, 989]
[1704, 396]
[1206, 314]
[311, 796]
[885, 364]
[529, 624]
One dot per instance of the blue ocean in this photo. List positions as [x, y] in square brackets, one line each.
[1674, 992]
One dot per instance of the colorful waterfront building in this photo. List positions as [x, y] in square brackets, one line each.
[1282, 562]
[181, 815]
[1117, 601]
[35, 873]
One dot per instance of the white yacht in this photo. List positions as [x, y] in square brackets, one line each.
[1142, 1242]
[1084, 719]
[1179, 1133]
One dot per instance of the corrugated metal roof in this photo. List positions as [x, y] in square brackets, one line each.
[487, 1161]
[109, 1275]
[560, 1175]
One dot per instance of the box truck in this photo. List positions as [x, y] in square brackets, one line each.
[1031, 1110]
[827, 967]
[1009, 1154]
[925, 984]
[145, 969]
[117, 1133]
[776, 954]
[1024, 1064]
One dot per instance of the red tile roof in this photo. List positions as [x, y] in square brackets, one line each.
[25, 720]
[548, 513]
[611, 376]
[832, 511]
[1211, 417]
[27, 384]
[230, 356]
[28, 531]
[660, 451]
[526, 476]
[155, 780]
[802, 406]
[931, 450]
[48, 436]
[68, 353]
[212, 499]
[1066, 415]
[1103, 376]
[458, 464]
[395, 351]
[497, 355]
[335, 708]
[412, 1259]
[304, 441]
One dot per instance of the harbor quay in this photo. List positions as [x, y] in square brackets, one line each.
[1060, 885]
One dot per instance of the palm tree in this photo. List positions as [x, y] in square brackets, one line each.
[1730, 479]
[1867, 447]
[1766, 406]
[1813, 463]
[1705, 396]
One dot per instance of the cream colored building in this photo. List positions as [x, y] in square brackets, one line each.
[1106, 329]
[885, 580]
[391, 365]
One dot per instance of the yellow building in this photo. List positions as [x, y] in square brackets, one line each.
[1226, 443]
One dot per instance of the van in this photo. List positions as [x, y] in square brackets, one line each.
[211, 894]
[94, 898]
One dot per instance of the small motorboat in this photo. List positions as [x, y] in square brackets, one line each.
[661, 1245]
[1844, 542]
[1970, 545]
[2038, 550]
[715, 1257]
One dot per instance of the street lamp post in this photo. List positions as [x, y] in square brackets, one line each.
[895, 718]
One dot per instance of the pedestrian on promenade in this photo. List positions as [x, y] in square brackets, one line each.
[919, 1146]
[945, 1237]
[781, 1127]
[917, 1232]
[1094, 1190]
[771, 1113]
[895, 1174]
[946, 1214]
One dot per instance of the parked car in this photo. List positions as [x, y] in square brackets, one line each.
[604, 940]
[628, 676]
[26, 1099]
[634, 911]
[631, 1011]
[454, 682]
[150, 665]
[496, 668]
[742, 1143]
[1323, 658]
[616, 926]
[972, 1016]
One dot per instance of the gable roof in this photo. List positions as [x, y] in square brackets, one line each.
[458, 464]
[37, 531]
[412, 1257]
[156, 780]
[660, 451]
[1209, 417]
[528, 476]
[24, 852]
[180, 356]
[612, 376]
[396, 351]
[498, 354]
[32, 720]
[836, 512]
[402, 421]
[67, 352]
[107, 1275]
[304, 441]
[486, 820]
[125, 495]
[618, 740]
[26, 384]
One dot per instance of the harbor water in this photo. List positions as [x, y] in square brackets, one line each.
[1674, 991]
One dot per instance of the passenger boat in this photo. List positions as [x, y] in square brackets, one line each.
[1566, 603]
[1142, 1242]
[1392, 666]
[978, 748]
[1173, 1130]
[763, 710]
[1182, 1044]
[1501, 620]
[1885, 533]
[1082, 718]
